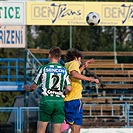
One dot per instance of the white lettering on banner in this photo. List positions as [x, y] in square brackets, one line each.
[12, 13]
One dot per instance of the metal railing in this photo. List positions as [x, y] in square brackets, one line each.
[17, 116]
[102, 108]
[14, 111]
[12, 73]
[32, 113]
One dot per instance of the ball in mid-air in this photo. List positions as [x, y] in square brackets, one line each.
[93, 18]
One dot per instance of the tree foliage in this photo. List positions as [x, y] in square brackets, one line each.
[97, 38]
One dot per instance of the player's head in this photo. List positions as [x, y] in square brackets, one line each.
[55, 53]
[73, 54]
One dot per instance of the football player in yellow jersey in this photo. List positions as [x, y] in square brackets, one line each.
[73, 105]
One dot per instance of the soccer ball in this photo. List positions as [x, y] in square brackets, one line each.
[93, 19]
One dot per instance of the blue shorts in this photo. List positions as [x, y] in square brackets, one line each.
[73, 112]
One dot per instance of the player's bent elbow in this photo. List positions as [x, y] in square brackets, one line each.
[75, 74]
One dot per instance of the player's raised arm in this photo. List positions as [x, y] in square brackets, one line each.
[86, 64]
[79, 76]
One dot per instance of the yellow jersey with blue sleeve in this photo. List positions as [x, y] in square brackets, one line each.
[76, 92]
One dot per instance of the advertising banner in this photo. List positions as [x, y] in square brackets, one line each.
[12, 37]
[76, 13]
[12, 13]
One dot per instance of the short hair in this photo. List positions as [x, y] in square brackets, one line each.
[55, 52]
[71, 54]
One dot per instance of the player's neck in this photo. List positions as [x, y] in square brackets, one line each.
[54, 61]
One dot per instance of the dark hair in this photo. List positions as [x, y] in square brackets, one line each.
[55, 52]
[71, 54]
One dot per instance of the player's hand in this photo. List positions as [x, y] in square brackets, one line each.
[96, 81]
[88, 62]
[26, 87]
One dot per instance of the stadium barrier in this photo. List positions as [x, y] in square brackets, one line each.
[17, 117]
[99, 56]
[85, 53]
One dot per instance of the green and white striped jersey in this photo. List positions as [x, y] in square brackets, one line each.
[52, 77]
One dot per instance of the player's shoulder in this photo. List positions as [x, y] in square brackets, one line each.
[42, 67]
[61, 66]
[54, 65]
[71, 63]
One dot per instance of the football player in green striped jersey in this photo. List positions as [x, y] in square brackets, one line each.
[52, 77]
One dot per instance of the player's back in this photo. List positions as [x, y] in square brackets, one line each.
[53, 78]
